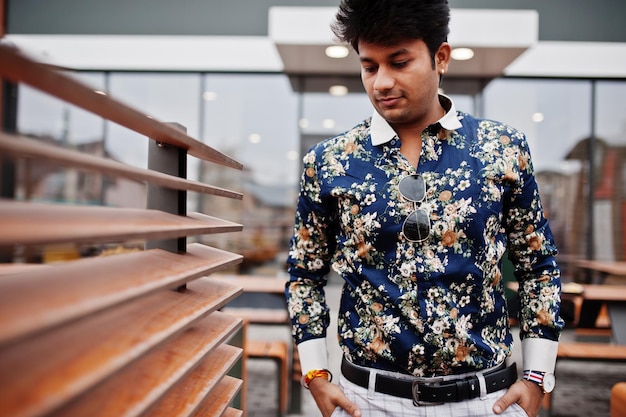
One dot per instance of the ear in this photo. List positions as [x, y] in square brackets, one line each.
[442, 58]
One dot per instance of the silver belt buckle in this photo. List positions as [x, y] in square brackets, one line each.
[415, 390]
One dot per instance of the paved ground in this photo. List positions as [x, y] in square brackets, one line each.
[583, 388]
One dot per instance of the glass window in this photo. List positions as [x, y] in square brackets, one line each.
[50, 120]
[555, 115]
[167, 97]
[41, 115]
[254, 119]
[260, 120]
[609, 194]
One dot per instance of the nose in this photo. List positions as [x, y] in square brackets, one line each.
[384, 80]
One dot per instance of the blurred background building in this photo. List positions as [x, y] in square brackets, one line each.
[254, 79]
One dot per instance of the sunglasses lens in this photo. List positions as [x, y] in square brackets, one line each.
[416, 227]
[413, 187]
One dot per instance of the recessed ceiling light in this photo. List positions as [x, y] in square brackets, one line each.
[303, 123]
[254, 138]
[338, 90]
[337, 51]
[209, 96]
[462, 54]
[538, 117]
[328, 123]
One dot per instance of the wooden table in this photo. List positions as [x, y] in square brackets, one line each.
[258, 286]
[591, 298]
[594, 296]
[604, 270]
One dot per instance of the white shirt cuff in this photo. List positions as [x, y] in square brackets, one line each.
[313, 355]
[539, 354]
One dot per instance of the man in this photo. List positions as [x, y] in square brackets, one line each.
[414, 208]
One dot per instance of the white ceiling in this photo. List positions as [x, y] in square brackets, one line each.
[498, 37]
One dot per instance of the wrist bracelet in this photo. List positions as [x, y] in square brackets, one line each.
[315, 373]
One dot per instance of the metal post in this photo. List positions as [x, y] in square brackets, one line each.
[591, 180]
[173, 161]
[8, 109]
[8, 176]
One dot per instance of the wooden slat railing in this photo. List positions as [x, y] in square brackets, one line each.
[57, 223]
[18, 68]
[194, 393]
[28, 305]
[151, 376]
[43, 372]
[133, 334]
[214, 405]
[24, 147]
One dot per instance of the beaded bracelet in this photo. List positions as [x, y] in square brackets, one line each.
[315, 373]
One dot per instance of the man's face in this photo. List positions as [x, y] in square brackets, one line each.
[401, 82]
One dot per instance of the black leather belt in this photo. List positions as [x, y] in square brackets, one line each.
[428, 393]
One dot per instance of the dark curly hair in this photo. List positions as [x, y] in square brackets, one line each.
[386, 22]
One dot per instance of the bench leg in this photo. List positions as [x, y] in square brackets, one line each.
[278, 352]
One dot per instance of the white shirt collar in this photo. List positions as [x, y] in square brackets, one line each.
[382, 132]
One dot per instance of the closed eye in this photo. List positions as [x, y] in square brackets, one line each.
[369, 69]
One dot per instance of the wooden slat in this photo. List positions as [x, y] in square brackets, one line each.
[39, 299]
[138, 386]
[255, 283]
[24, 147]
[57, 223]
[259, 315]
[44, 372]
[592, 351]
[19, 68]
[232, 412]
[217, 401]
[18, 268]
[204, 382]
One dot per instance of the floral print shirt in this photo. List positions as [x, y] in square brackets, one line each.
[437, 307]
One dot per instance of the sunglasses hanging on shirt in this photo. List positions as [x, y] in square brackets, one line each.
[416, 227]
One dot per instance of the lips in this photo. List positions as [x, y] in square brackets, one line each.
[388, 101]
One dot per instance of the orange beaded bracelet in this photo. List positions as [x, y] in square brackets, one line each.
[315, 373]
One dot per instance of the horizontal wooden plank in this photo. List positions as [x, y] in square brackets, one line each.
[20, 69]
[18, 268]
[218, 400]
[21, 146]
[38, 223]
[592, 351]
[233, 412]
[138, 386]
[259, 315]
[46, 297]
[255, 283]
[189, 393]
[44, 372]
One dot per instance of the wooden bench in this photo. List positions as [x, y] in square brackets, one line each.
[587, 351]
[278, 351]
